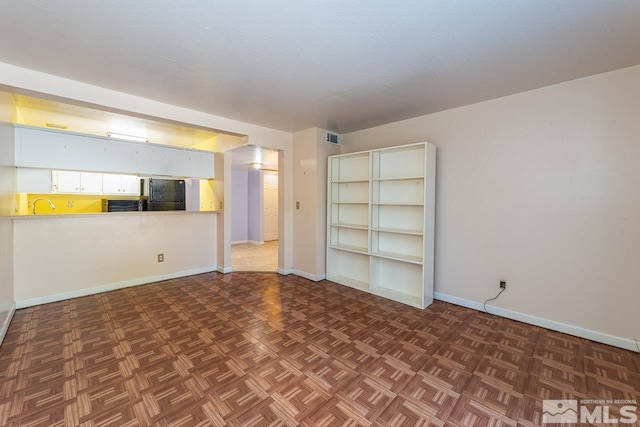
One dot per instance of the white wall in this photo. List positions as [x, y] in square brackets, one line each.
[324, 150]
[7, 188]
[310, 189]
[221, 187]
[304, 185]
[239, 206]
[540, 189]
[64, 256]
[246, 206]
[6, 274]
[255, 206]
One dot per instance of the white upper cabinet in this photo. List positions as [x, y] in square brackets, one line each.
[50, 149]
[41, 148]
[128, 185]
[76, 182]
[161, 160]
[34, 180]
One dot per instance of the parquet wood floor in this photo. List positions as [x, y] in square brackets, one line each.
[257, 349]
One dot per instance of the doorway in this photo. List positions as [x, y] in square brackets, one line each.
[254, 209]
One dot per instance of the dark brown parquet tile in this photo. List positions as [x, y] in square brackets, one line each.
[257, 349]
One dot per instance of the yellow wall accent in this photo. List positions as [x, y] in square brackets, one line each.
[210, 144]
[208, 200]
[7, 107]
[81, 203]
[21, 203]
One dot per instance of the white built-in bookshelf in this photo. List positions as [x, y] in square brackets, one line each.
[380, 222]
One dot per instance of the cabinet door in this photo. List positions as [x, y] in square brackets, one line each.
[152, 159]
[200, 164]
[160, 160]
[44, 148]
[111, 184]
[130, 185]
[66, 181]
[90, 182]
[34, 181]
[49, 149]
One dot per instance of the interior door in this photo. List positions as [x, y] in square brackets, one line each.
[270, 202]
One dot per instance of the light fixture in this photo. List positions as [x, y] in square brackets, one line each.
[127, 137]
[256, 165]
[56, 126]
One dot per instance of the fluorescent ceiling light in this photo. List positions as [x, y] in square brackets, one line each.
[127, 137]
[56, 126]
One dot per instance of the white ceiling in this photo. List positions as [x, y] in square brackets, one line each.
[337, 64]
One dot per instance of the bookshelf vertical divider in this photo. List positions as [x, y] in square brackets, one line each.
[380, 222]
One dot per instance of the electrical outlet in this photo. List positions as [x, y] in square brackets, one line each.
[297, 205]
[70, 204]
[503, 284]
[160, 257]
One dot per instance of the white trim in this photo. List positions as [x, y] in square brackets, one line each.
[7, 322]
[284, 272]
[314, 277]
[109, 287]
[251, 242]
[224, 270]
[577, 331]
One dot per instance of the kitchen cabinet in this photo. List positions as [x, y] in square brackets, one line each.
[48, 149]
[125, 185]
[37, 181]
[76, 182]
[160, 160]
[31, 147]
[380, 231]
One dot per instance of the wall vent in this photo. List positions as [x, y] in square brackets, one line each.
[333, 138]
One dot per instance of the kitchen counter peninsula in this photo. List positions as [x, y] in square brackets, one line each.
[69, 255]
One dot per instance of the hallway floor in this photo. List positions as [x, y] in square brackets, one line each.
[250, 257]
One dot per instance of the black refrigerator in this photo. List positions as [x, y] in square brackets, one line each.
[164, 194]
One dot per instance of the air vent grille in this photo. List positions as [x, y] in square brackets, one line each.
[333, 138]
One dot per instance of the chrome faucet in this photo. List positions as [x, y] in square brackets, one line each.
[53, 207]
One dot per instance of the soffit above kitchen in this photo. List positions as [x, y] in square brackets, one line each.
[339, 65]
[58, 115]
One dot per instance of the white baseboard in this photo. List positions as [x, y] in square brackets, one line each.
[224, 270]
[314, 277]
[109, 287]
[577, 331]
[6, 322]
[284, 272]
[255, 242]
[239, 242]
